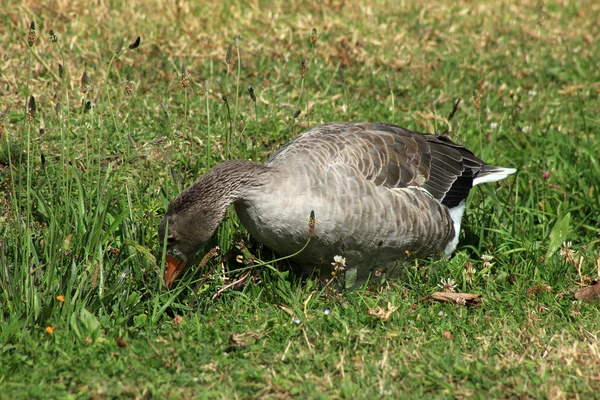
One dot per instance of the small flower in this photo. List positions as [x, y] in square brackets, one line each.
[532, 93]
[494, 125]
[447, 285]
[49, 330]
[567, 253]
[327, 311]
[52, 36]
[486, 258]
[461, 301]
[546, 175]
[442, 314]
[339, 263]
[177, 320]
[60, 298]
[469, 272]
[296, 320]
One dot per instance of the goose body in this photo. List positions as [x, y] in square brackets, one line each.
[380, 193]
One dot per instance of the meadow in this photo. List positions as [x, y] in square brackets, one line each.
[109, 110]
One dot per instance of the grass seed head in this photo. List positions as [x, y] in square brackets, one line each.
[203, 89]
[57, 109]
[31, 108]
[31, 34]
[314, 35]
[311, 223]
[342, 74]
[163, 106]
[229, 55]
[184, 77]
[120, 46]
[477, 100]
[252, 95]
[236, 40]
[388, 83]
[129, 84]
[135, 44]
[52, 36]
[303, 64]
[85, 82]
[61, 71]
[266, 81]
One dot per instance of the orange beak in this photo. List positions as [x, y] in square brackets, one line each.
[173, 269]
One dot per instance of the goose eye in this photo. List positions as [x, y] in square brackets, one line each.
[170, 240]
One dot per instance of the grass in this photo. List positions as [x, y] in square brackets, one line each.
[83, 312]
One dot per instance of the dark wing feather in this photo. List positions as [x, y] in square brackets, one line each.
[391, 156]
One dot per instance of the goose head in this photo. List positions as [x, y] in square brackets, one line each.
[186, 232]
[194, 216]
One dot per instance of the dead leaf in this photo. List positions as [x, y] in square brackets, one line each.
[589, 294]
[570, 89]
[460, 299]
[243, 339]
[381, 313]
[121, 342]
[448, 335]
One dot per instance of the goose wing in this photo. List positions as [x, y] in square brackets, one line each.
[394, 157]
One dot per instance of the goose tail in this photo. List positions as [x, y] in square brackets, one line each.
[490, 173]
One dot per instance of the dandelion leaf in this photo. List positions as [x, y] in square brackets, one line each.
[559, 234]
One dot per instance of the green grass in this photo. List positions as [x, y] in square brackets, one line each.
[82, 223]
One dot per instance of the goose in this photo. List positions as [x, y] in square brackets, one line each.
[379, 194]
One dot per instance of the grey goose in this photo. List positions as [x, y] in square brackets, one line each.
[380, 193]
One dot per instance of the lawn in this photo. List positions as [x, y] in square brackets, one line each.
[100, 130]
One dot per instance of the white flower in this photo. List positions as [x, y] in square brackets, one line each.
[339, 260]
[339, 264]
[447, 285]
[486, 258]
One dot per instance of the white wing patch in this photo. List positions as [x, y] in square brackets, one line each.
[495, 176]
[456, 213]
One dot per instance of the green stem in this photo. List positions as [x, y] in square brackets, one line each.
[41, 61]
[209, 139]
[106, 90]
[237, 88]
